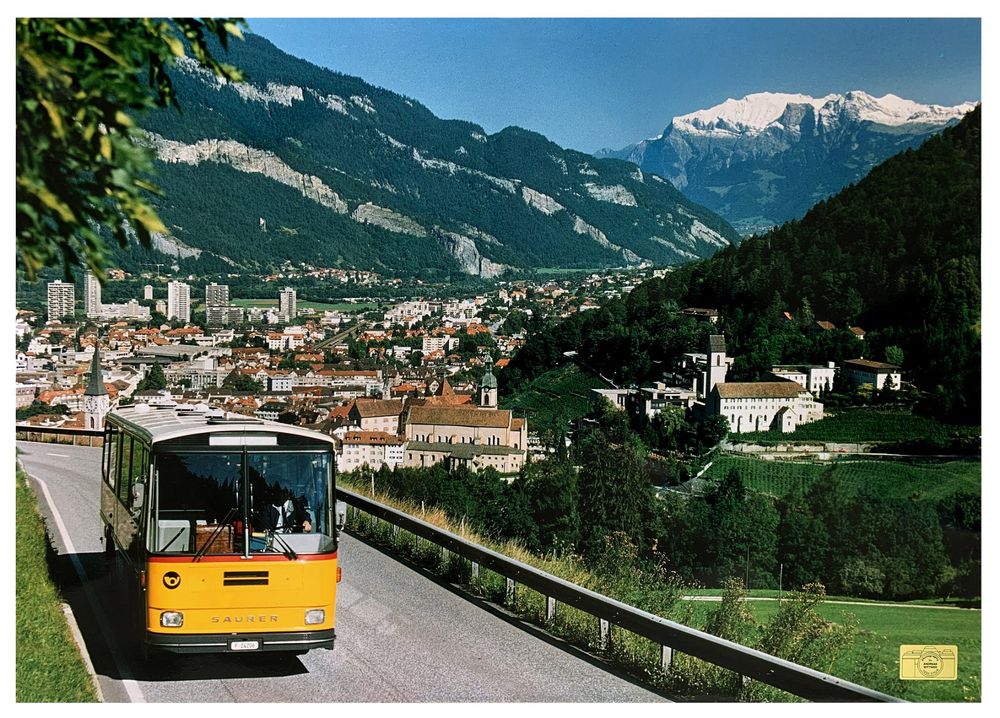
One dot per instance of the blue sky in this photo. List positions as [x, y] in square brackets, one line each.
[592, 83]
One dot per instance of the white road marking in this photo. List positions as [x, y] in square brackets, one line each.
[131, 686]
[61, 456]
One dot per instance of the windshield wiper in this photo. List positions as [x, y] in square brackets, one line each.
[215, 534]
[289, 553]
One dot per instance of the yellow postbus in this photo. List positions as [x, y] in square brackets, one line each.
[224, 529]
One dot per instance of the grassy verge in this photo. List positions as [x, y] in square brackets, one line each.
[922, 480]
[868, 662]
[774, 593]
[49, 666]
[873, 658]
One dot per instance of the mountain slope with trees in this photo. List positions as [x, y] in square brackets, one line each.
[336, 167]
[897, 254]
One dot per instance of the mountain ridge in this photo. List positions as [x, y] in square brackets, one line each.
[768, 157]
[381, 168]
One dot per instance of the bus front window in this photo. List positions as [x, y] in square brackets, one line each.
[288, 492]
[197, 503]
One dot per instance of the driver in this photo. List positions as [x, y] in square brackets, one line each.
[280, 514]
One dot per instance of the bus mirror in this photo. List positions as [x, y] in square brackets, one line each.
[341, 515]
[138, 494]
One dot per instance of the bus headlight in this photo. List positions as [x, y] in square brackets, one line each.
[171, 619]
[315, 616]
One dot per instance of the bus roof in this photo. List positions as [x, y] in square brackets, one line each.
[158, 424]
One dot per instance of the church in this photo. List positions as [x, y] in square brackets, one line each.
[475, 437]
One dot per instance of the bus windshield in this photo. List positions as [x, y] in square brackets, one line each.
[288, 491]
[207, 502]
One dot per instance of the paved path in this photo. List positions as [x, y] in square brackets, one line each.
[401, 637]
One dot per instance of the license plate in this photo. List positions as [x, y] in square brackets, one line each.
[244, 645]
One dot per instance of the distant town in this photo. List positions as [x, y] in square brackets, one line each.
[398, 383]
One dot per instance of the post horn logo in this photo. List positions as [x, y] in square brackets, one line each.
[171, 579]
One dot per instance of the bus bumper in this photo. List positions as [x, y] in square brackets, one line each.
[241, 643]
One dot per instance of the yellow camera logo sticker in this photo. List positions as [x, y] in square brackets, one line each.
[928, 663]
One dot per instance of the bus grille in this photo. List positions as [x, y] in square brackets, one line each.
[245, 578]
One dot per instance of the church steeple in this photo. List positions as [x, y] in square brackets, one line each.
[488, 387]
[96, 402]
[96, 385]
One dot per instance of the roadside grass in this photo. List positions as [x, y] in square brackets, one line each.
[864, 425]
[775, 593]
[561, 392]
[49, 667]
[873, 659]
[918, 479]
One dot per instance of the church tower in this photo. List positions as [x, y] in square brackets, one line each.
[488, 387]
[96, 402]
[717, 364]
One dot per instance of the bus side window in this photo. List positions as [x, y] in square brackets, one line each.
[106, 452]
[111, 466]
[124, 468]
[137, 475]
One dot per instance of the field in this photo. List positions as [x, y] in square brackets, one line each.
[866, 426]
[564, 391]
[916, 479]
[874, 658]
[350, 307]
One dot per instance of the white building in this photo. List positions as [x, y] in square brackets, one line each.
[128, 310]
[287, 302]
[444, 343]
[91, 295]
[179, 301]
[147, 292]
[61, 299]
[763, 406]
[223, 314]
[372, 448]
[216, 295]
[857, 372]
[408, 313]
[816, 378]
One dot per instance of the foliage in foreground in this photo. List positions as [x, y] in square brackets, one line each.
[49, 666]
[79, 83]
[796, 632]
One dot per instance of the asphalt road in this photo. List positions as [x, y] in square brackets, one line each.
[401, 637]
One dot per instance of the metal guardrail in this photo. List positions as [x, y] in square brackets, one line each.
[671, 636]
[27, 430]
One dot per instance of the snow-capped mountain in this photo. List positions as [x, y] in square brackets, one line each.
[769, 157]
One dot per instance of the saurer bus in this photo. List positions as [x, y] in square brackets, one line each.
[224, 529]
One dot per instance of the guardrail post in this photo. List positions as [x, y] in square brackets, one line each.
[666, 658]
[475, 570]
[605, 639]
[395, 533]
[509, 596]
[550, 609]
